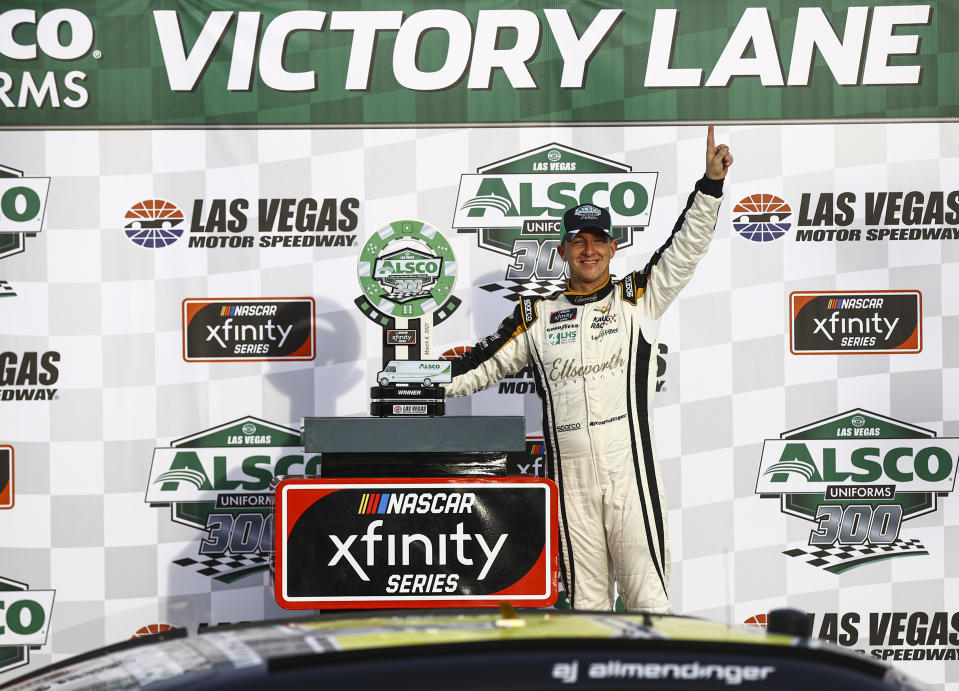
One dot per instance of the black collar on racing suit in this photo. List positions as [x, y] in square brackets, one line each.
[586, 298]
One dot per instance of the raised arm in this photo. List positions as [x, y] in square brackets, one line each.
[672, 265]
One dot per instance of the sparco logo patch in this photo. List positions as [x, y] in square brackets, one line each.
[219, 481]
[24, 622]
[248, 329]
[877, 321]
[515, 207]
[858, 477]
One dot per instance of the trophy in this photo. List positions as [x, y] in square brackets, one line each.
[407, 271]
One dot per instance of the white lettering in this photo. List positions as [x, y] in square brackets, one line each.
[813, 30]
[487, 57]
[883, 42]
[658, 71]
[405, 52]
[275, 37]
[754, 27]
[364, 26]
[577, 52]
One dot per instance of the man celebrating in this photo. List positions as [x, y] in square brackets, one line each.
[593, 349]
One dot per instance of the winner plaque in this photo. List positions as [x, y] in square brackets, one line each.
[407, 271]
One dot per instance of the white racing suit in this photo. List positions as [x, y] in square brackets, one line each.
[594, 362]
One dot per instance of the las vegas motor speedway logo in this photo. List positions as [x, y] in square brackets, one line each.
[24, 622]
[873, 216]
[515, 207]
[858, 476]
[243, 223]
[29, 375]
[890, 636]
[23, 202]
[220, 481]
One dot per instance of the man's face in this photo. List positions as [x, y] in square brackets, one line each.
[588, 255]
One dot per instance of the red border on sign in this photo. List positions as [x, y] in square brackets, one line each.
[799, 298]
[7, 498]
[305, 352]
[290, 506]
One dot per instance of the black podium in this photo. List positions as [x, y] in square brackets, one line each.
[414, 446]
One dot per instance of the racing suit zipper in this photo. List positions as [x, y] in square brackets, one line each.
[588, 313]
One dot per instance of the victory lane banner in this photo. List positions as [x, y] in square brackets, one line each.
[248, 329]
[435, 542]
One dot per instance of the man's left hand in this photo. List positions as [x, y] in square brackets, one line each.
[718, 158]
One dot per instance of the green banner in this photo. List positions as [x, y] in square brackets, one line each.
[131, 63]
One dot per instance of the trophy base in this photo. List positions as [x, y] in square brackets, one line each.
[390, 408]
[412, 400]
[412, 393]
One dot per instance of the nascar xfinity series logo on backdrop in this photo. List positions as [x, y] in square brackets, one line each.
[248, 329]
[858, 476]
[238, 223]
[6, 477]
[515, 206]
[24, 622]
[873, 321]
[23, 202]
[220, 481]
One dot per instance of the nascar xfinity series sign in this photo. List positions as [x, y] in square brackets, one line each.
[416, 543]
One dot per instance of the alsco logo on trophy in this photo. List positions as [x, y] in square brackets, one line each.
[515, 207]
[407, 271]
[858, 476]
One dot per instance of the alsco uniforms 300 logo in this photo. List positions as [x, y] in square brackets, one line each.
[24, 621]
[858, 476]
[220, 481]
[23, 202]
[515, 207]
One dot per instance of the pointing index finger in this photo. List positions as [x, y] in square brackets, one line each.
[710, 139]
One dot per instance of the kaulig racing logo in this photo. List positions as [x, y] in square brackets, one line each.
[515, 207]
[24, 622]
[23, 202]
[220, 481]
[858, 476]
